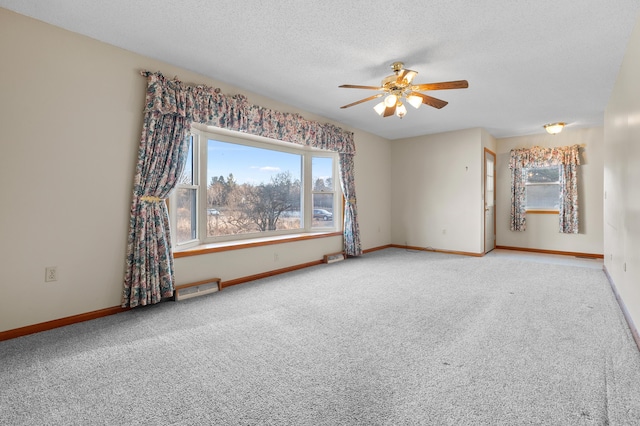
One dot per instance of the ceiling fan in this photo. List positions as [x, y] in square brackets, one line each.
[398, 86]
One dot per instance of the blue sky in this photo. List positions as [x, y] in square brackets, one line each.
[256, 165]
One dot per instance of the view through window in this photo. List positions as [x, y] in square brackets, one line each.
[542, 188]
[251, 189]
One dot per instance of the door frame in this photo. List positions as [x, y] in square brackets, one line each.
[484, 198]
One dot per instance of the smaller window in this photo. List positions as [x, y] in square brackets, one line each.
[186, 220]
[542, 186]
[323, 192]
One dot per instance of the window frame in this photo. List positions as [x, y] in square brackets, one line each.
[527, 184]
[201, 134]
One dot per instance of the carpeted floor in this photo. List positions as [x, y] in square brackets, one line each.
[392, 338]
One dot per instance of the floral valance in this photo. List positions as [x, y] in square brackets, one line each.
[203, 104]
[544, 157]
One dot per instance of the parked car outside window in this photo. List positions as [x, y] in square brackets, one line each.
[322, 214]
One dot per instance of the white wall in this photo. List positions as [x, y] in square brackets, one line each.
[542, 229]
[488, 142]
[373, 178]
[70, 122]
[622, 180]
[437, 191]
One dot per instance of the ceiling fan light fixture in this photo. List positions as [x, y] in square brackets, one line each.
[380, 108]
[401, 110]
[390, 100]
[554, 128]
[415, 101]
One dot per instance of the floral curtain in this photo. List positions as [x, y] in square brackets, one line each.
[568, 158]
[171, 106]
[352, 245]
[161, 157]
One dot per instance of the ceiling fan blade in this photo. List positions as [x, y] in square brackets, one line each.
[355, 86]
[389, 111]
[458, 84]
[428, 100]
[362, 100]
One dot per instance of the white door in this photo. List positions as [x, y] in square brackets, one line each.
[489, 201]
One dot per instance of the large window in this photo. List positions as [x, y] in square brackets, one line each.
[542, 185]
[237, 186]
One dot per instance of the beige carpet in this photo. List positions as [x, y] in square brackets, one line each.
[392, 338]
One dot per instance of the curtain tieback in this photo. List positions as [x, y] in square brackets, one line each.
[151, 199]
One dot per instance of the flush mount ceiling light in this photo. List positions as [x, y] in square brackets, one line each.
[554, 128]
[398, 86]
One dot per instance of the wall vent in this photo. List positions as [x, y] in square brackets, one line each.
[333, 257]
[200, 288]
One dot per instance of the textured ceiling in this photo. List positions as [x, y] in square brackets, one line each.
[527, 63]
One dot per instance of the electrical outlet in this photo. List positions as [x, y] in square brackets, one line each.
[50, 274]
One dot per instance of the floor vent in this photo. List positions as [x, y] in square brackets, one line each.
[333, 257]
[200, 288]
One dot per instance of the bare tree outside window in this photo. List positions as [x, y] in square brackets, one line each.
[252, 206]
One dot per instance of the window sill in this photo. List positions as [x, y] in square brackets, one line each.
[255, 242]
[542, 211]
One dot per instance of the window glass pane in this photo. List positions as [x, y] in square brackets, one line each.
[323, 192]
[543, 196]
[322, 171]
[489, 193]
[543, 187]
[543, 174]
[322, 210]
[251, 189]
[187, 174]
[490, 184]
[186, 229]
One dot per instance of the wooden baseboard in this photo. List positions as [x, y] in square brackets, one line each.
[623, 308]
[50, 325]
[269, 273]
[564, 253]
[462, 253]
[376, 249]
